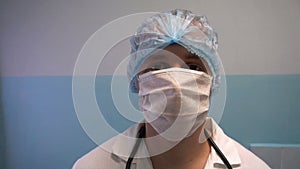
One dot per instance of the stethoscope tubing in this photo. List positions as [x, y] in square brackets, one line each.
[218, 151]
[141, 135]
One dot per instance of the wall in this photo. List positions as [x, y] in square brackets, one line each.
[2, 129]
[41, 40]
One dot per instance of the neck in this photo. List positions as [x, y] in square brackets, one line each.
[187, 154]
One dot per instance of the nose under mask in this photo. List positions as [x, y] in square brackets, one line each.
[175, 101]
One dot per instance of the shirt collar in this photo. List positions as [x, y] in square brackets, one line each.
[123, 144]
[225, 144]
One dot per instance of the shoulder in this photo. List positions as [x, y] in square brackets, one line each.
[102, 157]
[92, 159]
[97, 158]
[248, 159]
[234, 151]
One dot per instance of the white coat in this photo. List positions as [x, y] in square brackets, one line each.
[114, 153]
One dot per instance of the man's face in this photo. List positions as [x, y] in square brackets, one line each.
[173, 55]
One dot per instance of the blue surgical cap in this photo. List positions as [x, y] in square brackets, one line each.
[177, 26]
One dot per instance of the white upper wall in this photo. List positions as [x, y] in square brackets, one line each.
[41, 38]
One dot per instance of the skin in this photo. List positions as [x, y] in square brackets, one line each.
[188, 153]
[173, 55]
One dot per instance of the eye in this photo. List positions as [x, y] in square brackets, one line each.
[196, 67]
[155, 66]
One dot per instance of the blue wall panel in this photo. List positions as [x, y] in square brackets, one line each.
[42, 131]
[263, 109]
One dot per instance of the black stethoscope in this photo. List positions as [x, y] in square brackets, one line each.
[142, 132]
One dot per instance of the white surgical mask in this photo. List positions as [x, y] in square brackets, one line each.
[175, 101]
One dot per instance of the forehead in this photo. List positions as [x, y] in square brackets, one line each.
[173, 53]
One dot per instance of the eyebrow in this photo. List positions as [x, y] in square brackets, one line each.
[192, 56]
[189, 55]
[155, 58]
